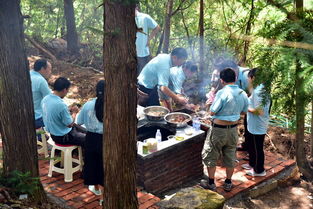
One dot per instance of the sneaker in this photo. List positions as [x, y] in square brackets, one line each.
[246, 166]
[253, 173]
[204, 183]
[227, 186]
[93, 190]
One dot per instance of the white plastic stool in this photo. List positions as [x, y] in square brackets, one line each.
[43, 143]
[66, 160]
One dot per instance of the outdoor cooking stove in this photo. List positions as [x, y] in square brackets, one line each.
[175, 162]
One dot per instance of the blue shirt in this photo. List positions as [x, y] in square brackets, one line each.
[177, 79]
[145, 22]
[40, 89]
[56, 115]
[242, 80]
[87, 116]
[156, 72]
[229, 102]
[257, 124]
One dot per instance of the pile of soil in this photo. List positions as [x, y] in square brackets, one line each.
[282, 141]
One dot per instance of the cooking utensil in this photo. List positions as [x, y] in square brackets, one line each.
[150, 112]
[170, 119]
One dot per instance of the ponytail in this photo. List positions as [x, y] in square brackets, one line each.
[99, 106]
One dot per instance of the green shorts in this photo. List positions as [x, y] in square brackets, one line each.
[220, 141]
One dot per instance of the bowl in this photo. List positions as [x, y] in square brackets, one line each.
[155, 113]
[178, 119]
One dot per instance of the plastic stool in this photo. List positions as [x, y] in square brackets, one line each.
[43, 143]
[66, 160]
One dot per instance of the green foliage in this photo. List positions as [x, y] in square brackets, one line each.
[20, 183]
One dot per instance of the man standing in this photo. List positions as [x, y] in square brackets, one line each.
[157, 73]
[40, 88]
[57, 118]
[258, 118]
[144, 22]
[222, 138]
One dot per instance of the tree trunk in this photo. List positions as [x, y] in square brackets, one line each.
[248, 31]
[167, 26]
[120, 107]
[16, 105]
[312, 129]
[71, 33]
[201, 36]
[302, 162]
[301, 158]
[188, 36]
[160, 43]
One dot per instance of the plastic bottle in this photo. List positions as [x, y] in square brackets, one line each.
[158, 136]
[196, 124]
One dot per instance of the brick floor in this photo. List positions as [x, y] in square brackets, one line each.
[78, 196]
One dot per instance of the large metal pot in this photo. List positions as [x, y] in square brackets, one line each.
[172, 118]
[155, 113]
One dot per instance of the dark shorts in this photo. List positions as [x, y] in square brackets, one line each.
[153, 97]
[74, 137]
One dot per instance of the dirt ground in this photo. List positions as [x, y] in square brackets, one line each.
[279, 141]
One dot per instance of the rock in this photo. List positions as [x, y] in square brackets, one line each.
[194, 198]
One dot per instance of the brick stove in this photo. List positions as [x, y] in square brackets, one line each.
[175, 164]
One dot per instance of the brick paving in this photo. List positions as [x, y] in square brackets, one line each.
[77, 195]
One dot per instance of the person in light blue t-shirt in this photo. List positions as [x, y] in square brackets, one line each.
[57, 118]
[178, 76]
[144, 22]
[40, 88]
[257, 118]
[91, 115]
[229, 103]
[157, 74]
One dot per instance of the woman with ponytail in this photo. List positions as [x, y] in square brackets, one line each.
[91, 116]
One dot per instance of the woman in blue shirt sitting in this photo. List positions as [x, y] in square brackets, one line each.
[91, 116]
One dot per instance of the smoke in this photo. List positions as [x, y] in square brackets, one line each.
[214, 55]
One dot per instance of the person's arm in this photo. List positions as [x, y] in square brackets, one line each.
[216, 105]
[153, 33]
[256, 111]
[176, 98]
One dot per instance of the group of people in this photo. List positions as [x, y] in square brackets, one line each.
[161, 80]
[233, 94]
[52, 114]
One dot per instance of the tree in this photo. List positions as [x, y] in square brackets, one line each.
[16, 105]
[167, 26]
[201, 36]
[71, 33]
[120, 105]
[297, 28]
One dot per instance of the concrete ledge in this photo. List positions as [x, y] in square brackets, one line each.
[285, 178]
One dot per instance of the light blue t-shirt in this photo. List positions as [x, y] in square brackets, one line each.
[40, 89]
[177, 79]
[156, 72]
[242, 80]
[145, 22]
[56, 115]
[229, 102]
[87, 116]
[257, 124]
